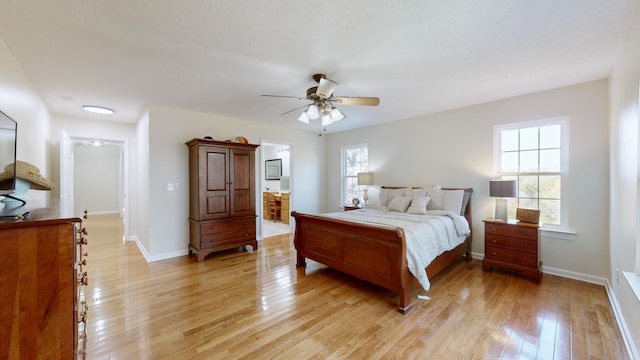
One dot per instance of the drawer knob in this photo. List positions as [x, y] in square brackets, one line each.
[83, 231]
[83, 262]
[493, 229]
[494, 253]
[83, 241]
[524, 259]
[494, 241]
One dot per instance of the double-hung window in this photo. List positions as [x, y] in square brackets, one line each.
[535, 155]
[355, 159]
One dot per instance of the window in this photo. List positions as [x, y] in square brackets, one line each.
[534, 154]
[355, 159]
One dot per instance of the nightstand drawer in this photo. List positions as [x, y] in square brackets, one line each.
[511, 256]
[511, 231]
[523, 245]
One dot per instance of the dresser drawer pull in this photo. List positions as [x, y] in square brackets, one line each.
[493, 229]
[524, 259]
[494, 253]
[494, 241]
[524, 246]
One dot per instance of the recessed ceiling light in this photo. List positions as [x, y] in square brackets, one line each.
[98, 109]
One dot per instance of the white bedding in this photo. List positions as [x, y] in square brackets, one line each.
[427, 236]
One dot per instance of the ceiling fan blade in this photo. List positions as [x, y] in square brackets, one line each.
[285, 96]
[292, 110]
[356, 100]
[325, 88]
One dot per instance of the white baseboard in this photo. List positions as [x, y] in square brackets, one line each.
[574, 275]
[164, 256]
[108, 212]
[622, 324]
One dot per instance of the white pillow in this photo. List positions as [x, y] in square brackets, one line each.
[418, 205]
[399, 203]
[436, 195]
[453, 200]
[415, 192]
[386, 195]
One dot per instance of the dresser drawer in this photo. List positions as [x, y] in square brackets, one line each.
[511, 256]
[511, 231]
[228, 237]
[211, 227]
[522, 245]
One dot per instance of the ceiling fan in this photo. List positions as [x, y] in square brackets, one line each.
[323, 102]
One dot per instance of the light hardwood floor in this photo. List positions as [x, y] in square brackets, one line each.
[244, 305]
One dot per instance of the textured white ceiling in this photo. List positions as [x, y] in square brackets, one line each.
[418, 56]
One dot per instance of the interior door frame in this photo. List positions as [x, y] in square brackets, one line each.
[67, 175]
[261, 180]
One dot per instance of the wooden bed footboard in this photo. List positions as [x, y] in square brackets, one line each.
[372, 253]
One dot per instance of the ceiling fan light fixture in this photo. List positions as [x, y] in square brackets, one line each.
[326, 119]
[304, 118]
[312, 112]
[336, 115]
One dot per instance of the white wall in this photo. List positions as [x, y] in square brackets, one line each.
[625, 197]
[97, 178]
[20, 100]
[169, 128]
[455, 149]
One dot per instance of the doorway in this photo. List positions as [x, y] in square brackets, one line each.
[274, 154]
[94, 177]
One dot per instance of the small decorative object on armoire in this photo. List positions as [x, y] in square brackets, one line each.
[365, 178]
[222, 193]
[502, 189]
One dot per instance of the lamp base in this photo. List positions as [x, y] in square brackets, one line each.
[501, 209]
[365, 196]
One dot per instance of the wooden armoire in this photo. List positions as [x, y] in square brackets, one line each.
[222, 196]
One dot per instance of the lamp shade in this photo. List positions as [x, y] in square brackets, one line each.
[365, 178]
[502, 188]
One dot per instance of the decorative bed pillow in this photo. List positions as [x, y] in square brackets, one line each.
[453, 200]
[436, 194]
[418, 205]
[399, 203]
[465, 201]
[386, 195]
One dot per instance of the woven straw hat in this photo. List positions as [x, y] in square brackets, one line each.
[28, 172]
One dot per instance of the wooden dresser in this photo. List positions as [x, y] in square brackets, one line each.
[512, 245]
[222, 196]
[42, 309]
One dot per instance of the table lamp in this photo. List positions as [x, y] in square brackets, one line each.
[365, 178]
[501, 189]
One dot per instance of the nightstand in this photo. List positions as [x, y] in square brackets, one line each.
[512, 245]
[351, 207]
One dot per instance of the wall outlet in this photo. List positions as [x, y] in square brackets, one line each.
[169, 186]
[176, 186]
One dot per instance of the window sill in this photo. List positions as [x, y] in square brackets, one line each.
[558, 234]
[634, 282]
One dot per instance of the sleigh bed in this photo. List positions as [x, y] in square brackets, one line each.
[373, 252]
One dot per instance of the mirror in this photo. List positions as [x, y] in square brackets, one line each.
[273, 169]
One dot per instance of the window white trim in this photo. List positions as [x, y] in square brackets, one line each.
[563, 121]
